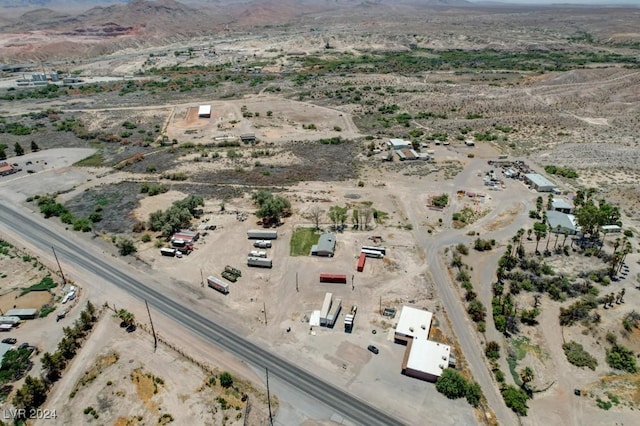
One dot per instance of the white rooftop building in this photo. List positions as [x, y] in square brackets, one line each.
[413, 323]
[204, 111]
[425, 359]
[399, 144]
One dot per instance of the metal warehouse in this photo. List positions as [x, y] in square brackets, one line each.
[539, 182]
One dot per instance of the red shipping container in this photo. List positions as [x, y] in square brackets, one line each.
[333, 278]
[361, 261]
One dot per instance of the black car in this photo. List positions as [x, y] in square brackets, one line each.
[10, 340]
[373, 349]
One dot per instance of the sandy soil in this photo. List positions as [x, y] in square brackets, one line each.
[285, 124]
[126, 382]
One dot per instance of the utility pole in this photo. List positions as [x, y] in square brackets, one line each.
[269, 397]
[201, 278]
[64, 281]
[155, 338]
[352, 285]
[380, 305]
[297, 290]
[264, 309]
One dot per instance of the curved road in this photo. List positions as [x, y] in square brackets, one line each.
[348, 405]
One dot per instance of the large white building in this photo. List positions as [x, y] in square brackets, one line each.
[413, 323]
[397, 144]
[423, 359]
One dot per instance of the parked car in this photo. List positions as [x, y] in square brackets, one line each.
[61, 315]
[10, 340]
[28, 163]
[24, 345]
[373, 349]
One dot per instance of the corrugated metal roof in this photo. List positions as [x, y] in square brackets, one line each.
[539, 180]
[326, 243]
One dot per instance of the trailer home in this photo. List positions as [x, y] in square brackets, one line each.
[262, 234]
[218, 284]
[260, 262]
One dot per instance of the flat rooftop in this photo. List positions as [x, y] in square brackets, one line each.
[539, 180]
[428, 356]
[414, 323]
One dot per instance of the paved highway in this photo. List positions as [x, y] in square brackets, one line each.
[346, 404]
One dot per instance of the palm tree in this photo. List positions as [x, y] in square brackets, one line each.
[127, 317]
[628, 248]
[550, 202]
[612, 299]
[540, 230]
[526, 375]
[621, 295]
[549, 229]
[555, 243]
[520, 234]
[564, 240]
[529, 231]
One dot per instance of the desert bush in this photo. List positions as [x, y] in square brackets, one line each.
[577, 356]
[621, 358]
[492, 350]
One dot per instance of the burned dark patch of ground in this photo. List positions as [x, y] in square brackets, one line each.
[115, 202]
[218, 192]
[155, 161]
[320, 162]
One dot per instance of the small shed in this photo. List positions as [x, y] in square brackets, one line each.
[248, 138]
[204, 111]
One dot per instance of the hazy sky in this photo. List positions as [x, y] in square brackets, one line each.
[603, 2]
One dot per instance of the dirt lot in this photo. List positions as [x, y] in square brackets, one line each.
[357, 76]
[126, 382]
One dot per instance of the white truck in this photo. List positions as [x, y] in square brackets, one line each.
[262, 234]
[218, 284]
[168, 251]
[257, 253]
[262, 244]
[261, 262]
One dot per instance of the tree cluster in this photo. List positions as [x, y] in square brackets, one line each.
[271, 207]
[452, 385]
[33, 392]
[590, 215]
[177, 216]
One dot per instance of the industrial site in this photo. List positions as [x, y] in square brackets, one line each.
[336, 216]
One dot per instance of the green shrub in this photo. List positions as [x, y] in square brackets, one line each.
[225, 379]
[516, 399]
[451, 384]
[621, 358]
[577, 356]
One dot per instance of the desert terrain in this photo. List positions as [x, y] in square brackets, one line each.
[303, 104]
